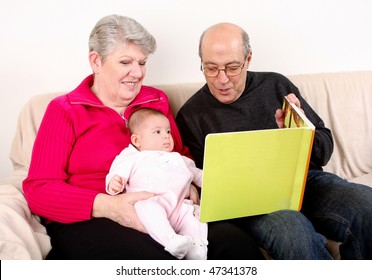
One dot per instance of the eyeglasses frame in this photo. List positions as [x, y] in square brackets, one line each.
[224, 69]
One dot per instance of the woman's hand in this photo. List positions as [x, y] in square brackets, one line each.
[120, 208]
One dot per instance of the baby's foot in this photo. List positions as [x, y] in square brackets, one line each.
[178, 245]
[197, 250]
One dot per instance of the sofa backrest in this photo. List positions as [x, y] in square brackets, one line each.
[28, 123]
[343, 100]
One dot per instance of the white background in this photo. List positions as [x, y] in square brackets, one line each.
[44, 44]
[209, 270]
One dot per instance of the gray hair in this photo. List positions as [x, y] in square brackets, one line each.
[113, 30]
[245, 40]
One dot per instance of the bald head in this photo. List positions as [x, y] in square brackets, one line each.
[219, 35]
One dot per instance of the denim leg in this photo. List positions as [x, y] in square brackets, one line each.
[342, 211]
[286, 235]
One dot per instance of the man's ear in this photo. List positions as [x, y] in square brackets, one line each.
[134, 138]
[249, 58]
[95, 61]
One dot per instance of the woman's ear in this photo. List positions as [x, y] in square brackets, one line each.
[135, 139]
[95, 61]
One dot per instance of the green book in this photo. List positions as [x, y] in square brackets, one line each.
[256, 172]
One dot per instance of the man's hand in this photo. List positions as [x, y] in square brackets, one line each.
[194, 195]
[279, 114]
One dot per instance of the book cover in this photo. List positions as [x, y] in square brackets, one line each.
[257, 172]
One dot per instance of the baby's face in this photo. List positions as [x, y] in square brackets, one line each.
[155, 134]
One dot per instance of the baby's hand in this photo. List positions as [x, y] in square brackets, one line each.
[116, 184]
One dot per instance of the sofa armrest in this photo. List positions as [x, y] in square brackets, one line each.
[22, 236]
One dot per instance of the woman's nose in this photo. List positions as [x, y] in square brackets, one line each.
[136, 70]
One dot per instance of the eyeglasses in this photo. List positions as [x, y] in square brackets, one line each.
[230, 70]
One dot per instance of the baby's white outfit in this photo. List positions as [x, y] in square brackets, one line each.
[169, 217]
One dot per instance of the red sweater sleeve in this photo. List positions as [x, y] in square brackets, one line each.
[46, 188]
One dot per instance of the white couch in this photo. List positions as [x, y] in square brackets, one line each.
[343, 100]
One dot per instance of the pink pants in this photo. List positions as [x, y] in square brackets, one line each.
[161, 223]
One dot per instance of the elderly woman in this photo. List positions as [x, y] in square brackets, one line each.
[79, 137]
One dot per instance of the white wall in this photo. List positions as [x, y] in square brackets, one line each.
[44, 43]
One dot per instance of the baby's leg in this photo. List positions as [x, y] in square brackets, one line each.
[191, 226]
[154, 219]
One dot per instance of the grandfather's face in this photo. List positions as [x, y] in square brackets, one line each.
[222, 49]
[118, 79]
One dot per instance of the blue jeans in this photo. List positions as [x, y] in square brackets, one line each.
[332, 209]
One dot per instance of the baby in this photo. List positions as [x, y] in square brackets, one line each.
[150, 165]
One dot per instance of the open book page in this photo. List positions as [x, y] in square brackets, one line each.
[294, 117]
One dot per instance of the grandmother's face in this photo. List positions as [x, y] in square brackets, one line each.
[118, 79]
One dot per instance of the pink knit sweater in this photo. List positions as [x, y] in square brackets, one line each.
[76, 143]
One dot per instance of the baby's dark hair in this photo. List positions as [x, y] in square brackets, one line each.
[140, 116]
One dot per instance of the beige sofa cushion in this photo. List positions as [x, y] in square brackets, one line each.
[28, 123]
[178, 94]
[344, 102]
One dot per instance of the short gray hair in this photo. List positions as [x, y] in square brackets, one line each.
[245, 40]
[113, 30]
